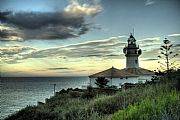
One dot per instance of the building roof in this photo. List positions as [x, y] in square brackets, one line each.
[126, 72]
[111, 73]
[138, 71]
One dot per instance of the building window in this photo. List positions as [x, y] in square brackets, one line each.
[136, 61]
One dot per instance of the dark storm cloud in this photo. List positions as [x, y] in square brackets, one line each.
[65, 24]
[36, 25]
[36, 20]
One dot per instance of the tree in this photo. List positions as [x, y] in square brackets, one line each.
[166, 55]
[101, 82]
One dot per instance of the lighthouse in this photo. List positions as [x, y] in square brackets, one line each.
[132, 52]
[131, 74]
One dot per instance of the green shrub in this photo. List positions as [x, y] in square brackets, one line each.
[159, 108]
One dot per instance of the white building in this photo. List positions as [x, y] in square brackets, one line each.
[131, 74]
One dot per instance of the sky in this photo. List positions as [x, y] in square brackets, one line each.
[82, 37]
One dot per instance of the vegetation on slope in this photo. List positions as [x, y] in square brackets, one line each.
[161, 107]
[150, 101]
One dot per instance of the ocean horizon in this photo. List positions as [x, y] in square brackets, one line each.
[19, 92]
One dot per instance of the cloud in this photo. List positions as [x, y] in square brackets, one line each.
[110, 48]
[64, 24]
[152, 38]
[98, 48]
[14, 52]
[62, 68]
[150, 59]
[150, 54]
[14, 49]
[149, 2]
[176, 45]
[3, 15]
[8, 33]
[3, 33]
[149, 44]
[154, 51]
[174, 35]
[75, 9]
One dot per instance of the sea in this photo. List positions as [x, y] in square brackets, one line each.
[19, 92]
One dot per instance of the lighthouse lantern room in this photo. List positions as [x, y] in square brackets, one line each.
[132, 53]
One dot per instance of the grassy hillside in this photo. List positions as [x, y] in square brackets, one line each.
[161, 107]
[151, 101]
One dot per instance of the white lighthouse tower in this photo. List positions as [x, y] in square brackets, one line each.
[132, 53]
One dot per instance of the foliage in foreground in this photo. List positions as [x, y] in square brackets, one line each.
[163, 107]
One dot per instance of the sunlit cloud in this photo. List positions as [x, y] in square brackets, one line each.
[174, 35]
[9, 33]
[152, 38]
[14, 49]
[4, 27]
[11, 53]
[106, 48]
[98, 48]
[78, 10]
[12, 38]
[145, 45]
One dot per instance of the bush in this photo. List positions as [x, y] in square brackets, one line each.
[89, 93]
[63, 91]
[32, 113]
[101, 82]
[75, 94]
